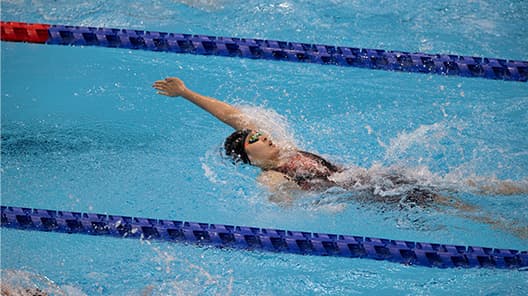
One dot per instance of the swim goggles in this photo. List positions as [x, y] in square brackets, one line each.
[254, 138]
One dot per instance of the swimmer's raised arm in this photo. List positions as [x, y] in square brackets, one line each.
[174, 87]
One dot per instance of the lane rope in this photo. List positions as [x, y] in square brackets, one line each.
[442, 64]
[263, 239]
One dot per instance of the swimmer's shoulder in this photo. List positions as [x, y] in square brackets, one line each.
[271, 177]
[281, 188]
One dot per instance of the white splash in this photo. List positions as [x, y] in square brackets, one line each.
[183, 277]
[427, 137]
[210, 173]
[272, 123]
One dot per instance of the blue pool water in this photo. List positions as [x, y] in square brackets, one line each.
[82, 130]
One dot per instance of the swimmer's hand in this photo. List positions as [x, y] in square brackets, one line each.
[230, 115]
[171, 87]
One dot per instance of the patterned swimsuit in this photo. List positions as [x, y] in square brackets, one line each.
[309, 171]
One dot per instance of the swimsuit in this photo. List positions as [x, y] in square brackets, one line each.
[308, 170]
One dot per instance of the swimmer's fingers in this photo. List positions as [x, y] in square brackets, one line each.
[170, 86]
[159, 84]
[161, 87]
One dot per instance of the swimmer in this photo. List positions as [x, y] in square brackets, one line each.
[282, 168]
[286, 169]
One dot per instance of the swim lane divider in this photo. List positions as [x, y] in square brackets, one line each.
[263, 239]
[466, 66]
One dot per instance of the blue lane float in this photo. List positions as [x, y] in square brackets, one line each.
[442, 64]
[263, 239]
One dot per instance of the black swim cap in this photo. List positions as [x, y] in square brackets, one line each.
[234, 146]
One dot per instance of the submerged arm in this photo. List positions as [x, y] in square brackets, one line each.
[174, 87]
[477, 214]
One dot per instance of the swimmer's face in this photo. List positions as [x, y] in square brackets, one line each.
[260, 148]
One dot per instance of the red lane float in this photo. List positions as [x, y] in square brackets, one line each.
[24, 32]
